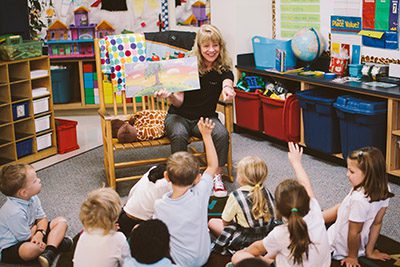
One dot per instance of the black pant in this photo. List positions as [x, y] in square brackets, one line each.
[126, 224]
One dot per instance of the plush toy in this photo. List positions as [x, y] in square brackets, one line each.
[143, 125]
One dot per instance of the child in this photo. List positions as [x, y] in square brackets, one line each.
[302, 240]
[149, 242]
[359, 216]
[100, 244]
[140, 204]
[248, 215]
[25, 232]
[184, 210]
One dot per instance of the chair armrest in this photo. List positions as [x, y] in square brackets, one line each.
[106, 116]
[228, 112]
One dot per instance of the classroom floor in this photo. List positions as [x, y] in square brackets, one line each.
[89, 137]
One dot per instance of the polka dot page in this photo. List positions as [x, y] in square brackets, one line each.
[116, 50]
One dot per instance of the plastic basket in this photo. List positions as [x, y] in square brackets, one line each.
[15, 48]
[265, 48]
[66, 135]
[362, 123]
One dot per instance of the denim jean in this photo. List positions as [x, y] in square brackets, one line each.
[180, 129]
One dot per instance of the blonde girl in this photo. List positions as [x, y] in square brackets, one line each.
[248, 214]
[302, 239]
[100, 244]
[358, 219]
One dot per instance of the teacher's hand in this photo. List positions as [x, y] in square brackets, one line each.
[228, 94]
[163, 93]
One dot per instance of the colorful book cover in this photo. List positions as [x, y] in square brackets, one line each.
[174, 75]
[280, 61]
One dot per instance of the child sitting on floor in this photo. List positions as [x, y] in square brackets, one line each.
[149, 243]
[249, 214]
[358, 219]
[100, 244]
[25, 232]
[140, 204]
[184, 210]
[302, 239]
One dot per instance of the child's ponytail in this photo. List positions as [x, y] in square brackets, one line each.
[299, 239]
[293, 203]
[253, 171]
[260, 207]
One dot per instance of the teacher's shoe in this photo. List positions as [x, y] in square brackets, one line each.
[219, 187]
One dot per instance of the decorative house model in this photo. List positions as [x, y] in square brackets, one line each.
[58, 31]
[77, 41]
[104, 28]
[199, 11]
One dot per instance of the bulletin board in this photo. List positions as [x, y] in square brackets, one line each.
[353, 12]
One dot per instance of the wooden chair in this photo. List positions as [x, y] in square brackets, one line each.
[124, 111]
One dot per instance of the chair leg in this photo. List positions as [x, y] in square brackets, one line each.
[229, 163]
[109, 155]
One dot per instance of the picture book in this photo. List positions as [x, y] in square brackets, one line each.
[174, 75]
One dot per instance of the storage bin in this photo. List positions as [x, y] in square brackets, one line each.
[248, 110]
[43, 141]
[362, 123]
[24, 148]
[42, 123]
[355, 70]
[41, 105]
[281, 118]
[61, 86]
[66, 135]
[265, 52]
[20, 110]
[320, 122]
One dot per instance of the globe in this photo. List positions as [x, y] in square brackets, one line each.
[307, 44]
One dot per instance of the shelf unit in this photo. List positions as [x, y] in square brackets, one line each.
[296, 82]
[23, 136]
[75, 67]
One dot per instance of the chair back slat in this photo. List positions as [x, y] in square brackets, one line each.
[152, 103]
[115, 103]
[143, 102]
[124, 107]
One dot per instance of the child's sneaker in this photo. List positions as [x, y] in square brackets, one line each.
[47, 257]
[219, 187]
[66, 244]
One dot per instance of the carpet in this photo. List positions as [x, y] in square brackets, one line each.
[66, 184]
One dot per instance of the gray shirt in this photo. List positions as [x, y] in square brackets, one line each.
[186, 219]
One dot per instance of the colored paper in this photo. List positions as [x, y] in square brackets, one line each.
[295, 15]
[373, 34]
[394, 15]
[174, 75]
[335, 48]
[382, 15]
[368, 14]
[345, 24]
[355, 54]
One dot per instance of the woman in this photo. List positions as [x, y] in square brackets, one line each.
[187, 107]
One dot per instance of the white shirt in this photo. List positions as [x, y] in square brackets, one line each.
[186, 219]
[143, 194]
[96, 249]
[277, 241]
[355, 207]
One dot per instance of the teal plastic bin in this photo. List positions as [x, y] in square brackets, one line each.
[61, 86]
[362, 123]
[265, 52]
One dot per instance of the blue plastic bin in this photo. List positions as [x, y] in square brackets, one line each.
[61, 86]
[24, 148]
[20, 110]
[265, 52]
[362, 123]
[321, 125]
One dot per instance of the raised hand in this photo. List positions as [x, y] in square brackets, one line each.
[295, 153]
[205, 126]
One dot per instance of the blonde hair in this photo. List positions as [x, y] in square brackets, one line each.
[293, 203]
[253, 171]
[100, 210]
[206, 34]
[182, 168]
[13, 178]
